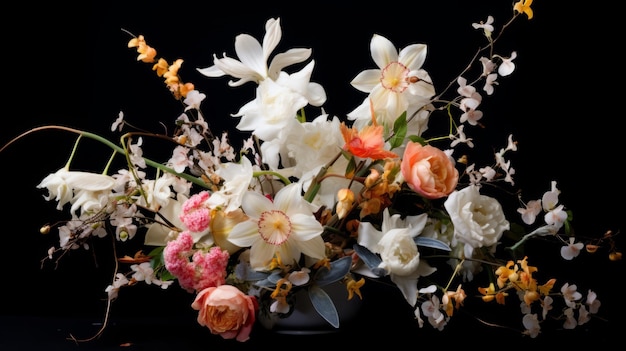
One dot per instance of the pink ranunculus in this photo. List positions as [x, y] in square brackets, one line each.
[226, 311]
[428, 171]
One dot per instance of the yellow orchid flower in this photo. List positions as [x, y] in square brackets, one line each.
[161, 67]
[490, 294]
[354, 287]
[507, 273]
[523, 6]
[545, 288]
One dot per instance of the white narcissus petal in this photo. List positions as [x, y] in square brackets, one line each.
[273, 34]
[245, 234]
[289, 199]
[211, 71]
[300, 83]
[383, 51]
[254, 204]
[413, 56]
[57, 188]
[315, 94]
[236, 69]
[408, 286]
[288, 252]
[314, 248]
[306, 227]
[366, 80]
[369, 236]
[222, 224]
[287, 58]
[422, 88]
[251, 54]
[262, 253]
[89, 181]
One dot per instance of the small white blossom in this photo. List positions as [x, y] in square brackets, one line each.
[572, 249]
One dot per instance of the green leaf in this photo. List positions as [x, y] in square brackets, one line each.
[157, 256]
[324, 305]
[351, 167]
[417, 139]
[432, 243]
[165, 275]
[399, 131]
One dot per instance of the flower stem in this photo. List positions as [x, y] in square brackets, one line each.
[545, 230]
[194, 180]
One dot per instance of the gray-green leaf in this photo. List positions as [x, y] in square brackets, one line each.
[338, 270]
[324, 305]
[371, 259]
[432, 243]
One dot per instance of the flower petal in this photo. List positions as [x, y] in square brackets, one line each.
[254, 204]
[244, 234]
[383, 51]
[305, 227]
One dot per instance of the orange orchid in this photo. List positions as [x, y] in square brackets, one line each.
[160, 67]
[491, 294]
[146, 53]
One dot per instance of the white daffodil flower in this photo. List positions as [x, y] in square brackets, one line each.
[285, 227]
[398, 85]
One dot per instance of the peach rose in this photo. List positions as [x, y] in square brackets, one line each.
[428, 171]
[226, 311]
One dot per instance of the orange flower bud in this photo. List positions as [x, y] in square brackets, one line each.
[615, 256]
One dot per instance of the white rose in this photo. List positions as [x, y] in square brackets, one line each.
[478, 219]
[399, 252]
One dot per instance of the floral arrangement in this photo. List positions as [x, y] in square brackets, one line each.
[304, 202]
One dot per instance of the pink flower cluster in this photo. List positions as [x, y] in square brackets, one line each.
[204, 270]
[194, 214]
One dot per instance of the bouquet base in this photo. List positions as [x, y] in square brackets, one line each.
[304, 319]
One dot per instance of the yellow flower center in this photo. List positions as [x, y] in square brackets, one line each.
[274, 227]
[395, 77]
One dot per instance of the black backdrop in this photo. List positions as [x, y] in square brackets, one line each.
[74, 69]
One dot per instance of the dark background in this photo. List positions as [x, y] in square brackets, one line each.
[74, 69]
